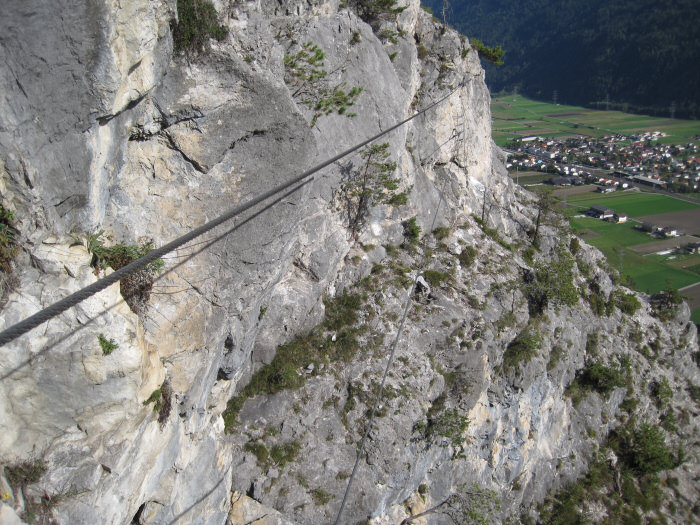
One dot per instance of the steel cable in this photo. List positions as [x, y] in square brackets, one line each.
[64, 304]
[391, 359]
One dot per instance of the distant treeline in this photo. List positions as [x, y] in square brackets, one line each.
[642, 55]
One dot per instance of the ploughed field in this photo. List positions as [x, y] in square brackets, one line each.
[687, 221]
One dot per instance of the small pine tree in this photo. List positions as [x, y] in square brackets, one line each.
[372, 184]
[544, 205]
[305, 76]
[666, 302]
[492, 54]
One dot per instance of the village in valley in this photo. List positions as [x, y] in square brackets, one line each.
[640, 158]
[645, 191]
[627, 184]
[611, 164]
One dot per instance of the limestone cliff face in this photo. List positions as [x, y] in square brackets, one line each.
[104, 127]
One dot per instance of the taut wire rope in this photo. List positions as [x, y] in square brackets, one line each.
[64, 304]
[391, 358]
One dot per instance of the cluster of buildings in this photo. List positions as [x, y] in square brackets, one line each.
[639, 157]
[659, 231]
[608, 214]
[606, 185]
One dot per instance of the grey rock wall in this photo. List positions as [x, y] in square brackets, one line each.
[104, 127]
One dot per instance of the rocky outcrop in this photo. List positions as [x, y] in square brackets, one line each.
[106, 127]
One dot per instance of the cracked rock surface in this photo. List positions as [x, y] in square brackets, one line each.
[105, 127]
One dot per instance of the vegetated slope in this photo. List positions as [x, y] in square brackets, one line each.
[253, 364]
[642, 54]
[520, 369]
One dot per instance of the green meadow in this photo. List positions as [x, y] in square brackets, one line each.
[695, 316]
[517, 116]
[623, 234]
[649, 273]
[634, 204]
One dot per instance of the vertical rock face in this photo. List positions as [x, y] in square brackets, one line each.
[104, 127]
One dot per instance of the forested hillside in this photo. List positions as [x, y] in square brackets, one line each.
[641, 54]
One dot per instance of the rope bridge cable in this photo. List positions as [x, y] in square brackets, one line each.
[391, 358]
[64, 304]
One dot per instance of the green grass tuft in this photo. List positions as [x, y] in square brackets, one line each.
[108, 345]
[317, 346]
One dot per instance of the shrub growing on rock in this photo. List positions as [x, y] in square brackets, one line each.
[411, 231]
[435, 277]
[493, 54]
[371, 184]
[601, 378]
[108, 345]
[468, 256]
[626, 302]
[8, 251]
[521, 349]
[8, 246]
[574, 245]
[162, 401]
[647, 452]
[550, 283]
[197, 22]
[374, 12]
[665, 303]
[661, 391]
[136, 287]
[468, 505]
[305, 75]
[529, 255]
[596, 376]
[25, 472]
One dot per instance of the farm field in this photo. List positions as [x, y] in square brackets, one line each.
[621, 234]
[624, 245]
[653, 277]
[687, 262]
[661, 245]
[566, 194]
[675, 260]
[528, 178]
[687, 221]
[515, 115]
[695, 316]
[634, 203]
